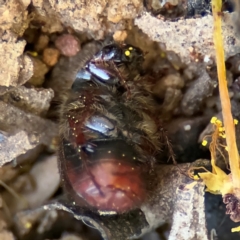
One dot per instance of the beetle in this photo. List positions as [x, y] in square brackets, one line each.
[109, 139]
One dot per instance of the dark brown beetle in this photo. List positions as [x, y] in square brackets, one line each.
[110, 134]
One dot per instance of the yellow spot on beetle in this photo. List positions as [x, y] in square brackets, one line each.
[127, 53]
[235, 121]
[130, 48]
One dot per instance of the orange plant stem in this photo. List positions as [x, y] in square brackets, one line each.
[225, 100]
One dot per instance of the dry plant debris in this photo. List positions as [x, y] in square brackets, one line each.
[225, 100]
[218, 182]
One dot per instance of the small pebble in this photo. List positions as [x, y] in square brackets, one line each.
[197, 93]
[172, 99]
[120, 36]
[68, 45]
[187, 127]
[50, 56]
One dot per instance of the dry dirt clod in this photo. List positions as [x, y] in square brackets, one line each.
[174, 59]
[40, 69]
[183, 37]
[14, 15]
[38, 185]
[16, 68]
[68, 45]
[14, 146]
[172, 99]
[26, 131]
[169, 81]
[22, 98]
[118, 10]
[189, 211]
[42, 42]
[120, 36]
[6, 235]
[197, 93]
[189, 73]
[50, 56]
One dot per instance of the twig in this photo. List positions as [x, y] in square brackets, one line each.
[225, 100]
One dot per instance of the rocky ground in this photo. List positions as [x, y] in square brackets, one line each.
[42, 46]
